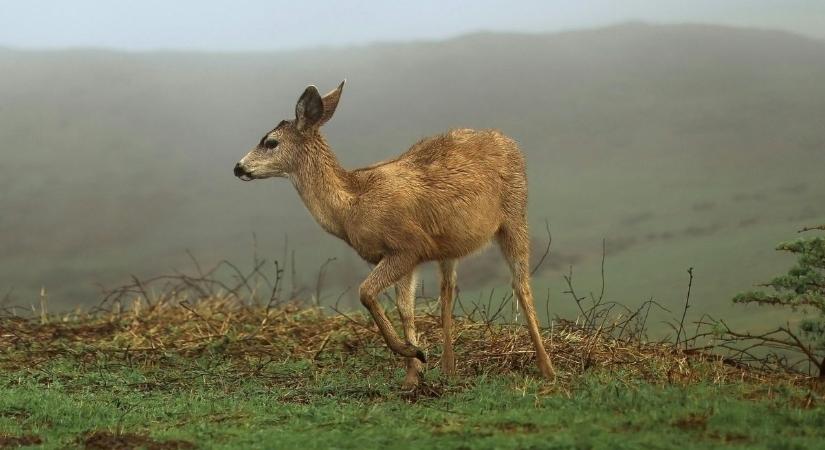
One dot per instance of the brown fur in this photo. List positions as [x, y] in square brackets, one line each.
[444, 198]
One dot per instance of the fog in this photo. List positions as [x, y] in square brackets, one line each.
[255, 25]
[677, 145]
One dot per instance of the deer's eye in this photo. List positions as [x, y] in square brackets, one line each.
[270, 144]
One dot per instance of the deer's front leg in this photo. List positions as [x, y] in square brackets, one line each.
[389, 271]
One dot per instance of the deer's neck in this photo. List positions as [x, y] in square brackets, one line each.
[325, 187]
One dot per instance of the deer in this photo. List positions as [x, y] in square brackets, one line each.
[446, 197]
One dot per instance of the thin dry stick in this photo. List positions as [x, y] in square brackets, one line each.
[593, 312]
[319, 283]
[273, 297]
[254, 294]
[767, 340]
[293, 279]
[684, 311]
[195, 263]
[569, 280]
[321, 349]
[185, 305]
[546, 249]
[604, 256]
[142, 290]
[44, 316]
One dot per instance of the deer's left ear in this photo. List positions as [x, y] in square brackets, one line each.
[310, 109]
[331, 102]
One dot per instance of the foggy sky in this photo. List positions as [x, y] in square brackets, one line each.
[273, 25]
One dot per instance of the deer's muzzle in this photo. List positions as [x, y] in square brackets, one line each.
[241, 172]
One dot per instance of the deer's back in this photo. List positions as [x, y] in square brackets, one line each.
[446, 196]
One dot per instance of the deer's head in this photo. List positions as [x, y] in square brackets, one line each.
[281, 150]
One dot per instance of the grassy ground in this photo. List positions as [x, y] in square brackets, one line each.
[216, 374]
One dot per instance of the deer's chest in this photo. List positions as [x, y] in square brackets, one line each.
[369, 246]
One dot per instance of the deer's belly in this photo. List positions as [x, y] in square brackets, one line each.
[462, 239]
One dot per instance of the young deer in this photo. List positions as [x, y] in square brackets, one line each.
[444, 198]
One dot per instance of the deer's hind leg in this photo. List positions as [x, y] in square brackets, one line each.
[389, 271]
[405, 299]
[448, 276]
[514, 241]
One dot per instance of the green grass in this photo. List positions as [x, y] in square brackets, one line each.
[212, 376]
[340, 408]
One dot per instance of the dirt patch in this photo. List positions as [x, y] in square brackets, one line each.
[222, 418]
[692, 422]
[730, 438]
[627, 427]
[7, 441]
[100, 440]
[297, 398]
[516, 427]
[17, 414]
[424, 391]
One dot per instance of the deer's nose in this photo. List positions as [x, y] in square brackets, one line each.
[239, 170]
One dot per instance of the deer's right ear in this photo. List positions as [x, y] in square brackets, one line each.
[310, 109]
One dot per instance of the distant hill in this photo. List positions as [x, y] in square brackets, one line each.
[680, 145]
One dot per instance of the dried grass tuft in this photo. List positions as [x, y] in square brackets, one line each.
[245, 325]
[255, 336]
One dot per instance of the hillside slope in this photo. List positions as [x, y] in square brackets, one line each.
[681, 145]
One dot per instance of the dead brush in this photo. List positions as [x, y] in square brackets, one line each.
[181, 317]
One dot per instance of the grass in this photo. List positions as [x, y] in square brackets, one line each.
[339, 410]
[220, 374]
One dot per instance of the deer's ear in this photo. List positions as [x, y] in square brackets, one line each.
[331, 102]
[310, 109]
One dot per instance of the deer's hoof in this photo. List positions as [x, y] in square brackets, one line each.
[410, 382]
[448, 365]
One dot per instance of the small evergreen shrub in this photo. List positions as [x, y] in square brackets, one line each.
[802, 288]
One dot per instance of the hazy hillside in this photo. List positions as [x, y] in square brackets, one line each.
[681, 145]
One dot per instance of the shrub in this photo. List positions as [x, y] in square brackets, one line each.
[802, 288]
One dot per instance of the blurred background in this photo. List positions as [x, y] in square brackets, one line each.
[679, 133]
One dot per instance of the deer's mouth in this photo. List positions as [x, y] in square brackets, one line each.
[242, 173]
